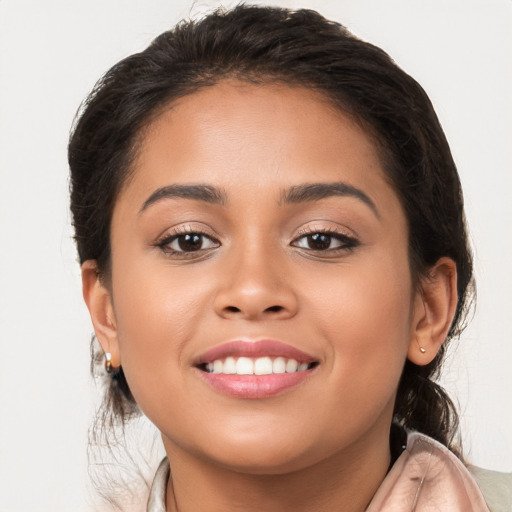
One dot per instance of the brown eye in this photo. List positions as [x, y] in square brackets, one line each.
[188, 242]
[325, 242]
[319, 241]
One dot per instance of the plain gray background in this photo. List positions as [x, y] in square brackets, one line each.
[52, 52]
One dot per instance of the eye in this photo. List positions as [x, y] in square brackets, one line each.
[187, 243]
[325, 241]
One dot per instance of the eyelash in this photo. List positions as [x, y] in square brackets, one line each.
[347, 243]
[165, 242]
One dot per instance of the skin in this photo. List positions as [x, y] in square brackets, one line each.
[323, 444]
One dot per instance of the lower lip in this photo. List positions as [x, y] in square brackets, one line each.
[254, 386]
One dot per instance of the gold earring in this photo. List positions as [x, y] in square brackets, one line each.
[108, 362]
[422, 350]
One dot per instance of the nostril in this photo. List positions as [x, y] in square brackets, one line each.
[251, 312]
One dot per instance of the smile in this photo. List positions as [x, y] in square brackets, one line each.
[255, 369]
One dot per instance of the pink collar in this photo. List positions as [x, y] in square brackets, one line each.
[427, 477]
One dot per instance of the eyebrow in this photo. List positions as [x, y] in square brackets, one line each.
[293, 195]
[317, 191]
[205, 193]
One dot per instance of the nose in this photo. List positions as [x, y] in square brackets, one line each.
[255, 287]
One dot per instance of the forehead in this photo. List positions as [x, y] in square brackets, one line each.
[236, 135]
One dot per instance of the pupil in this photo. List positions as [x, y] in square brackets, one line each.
[319, 241]
[190, 242]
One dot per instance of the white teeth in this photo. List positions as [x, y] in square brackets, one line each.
[291, 366]
[257, 366]
[217, 366]
[279, 365]
[244, 366]
[229, 366]
[263, 366]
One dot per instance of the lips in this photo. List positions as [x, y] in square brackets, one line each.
[254, 349]
[254, 369]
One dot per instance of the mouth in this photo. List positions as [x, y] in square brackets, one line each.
[255, 369]
[256, 366]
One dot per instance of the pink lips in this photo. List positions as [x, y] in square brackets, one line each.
[258, 348]
[254, 386]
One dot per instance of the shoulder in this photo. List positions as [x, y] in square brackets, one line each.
[496, 488]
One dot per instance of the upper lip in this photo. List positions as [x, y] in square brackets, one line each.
[254, 349]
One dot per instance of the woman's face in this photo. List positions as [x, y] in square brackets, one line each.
[259, 229]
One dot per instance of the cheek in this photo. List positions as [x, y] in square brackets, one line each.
[364, 295]
[366, 314]
[157, 313]
[366, 322]
[150, 296]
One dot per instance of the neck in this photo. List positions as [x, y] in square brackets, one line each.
[345, 481]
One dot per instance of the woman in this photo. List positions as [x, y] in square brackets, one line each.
[274, 255]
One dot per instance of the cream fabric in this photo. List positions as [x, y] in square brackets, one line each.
[427, 477]
[156, 502]
[496, 488]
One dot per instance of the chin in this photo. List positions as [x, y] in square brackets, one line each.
[270, 454]
[263, 462]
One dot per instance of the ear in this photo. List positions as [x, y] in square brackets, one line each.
[99, 302]
[434, 309]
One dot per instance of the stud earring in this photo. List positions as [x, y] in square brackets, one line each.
[108, 362]
[422, 350]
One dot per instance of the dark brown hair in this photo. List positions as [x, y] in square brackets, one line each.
[264, 45]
